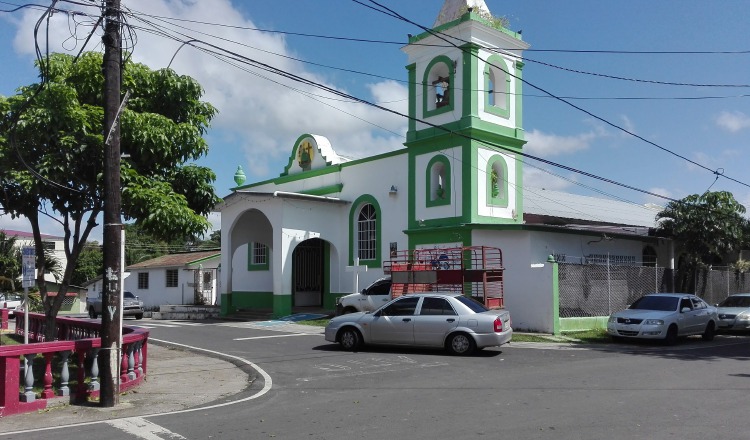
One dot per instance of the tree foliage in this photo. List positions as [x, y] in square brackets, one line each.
[90, 264]
[52, 154]
[10, 263]
[706, 227]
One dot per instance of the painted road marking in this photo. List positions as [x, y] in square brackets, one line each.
[369, 366]
[275, 336]
[144, 429]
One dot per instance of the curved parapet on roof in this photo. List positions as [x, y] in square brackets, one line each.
[311, 152]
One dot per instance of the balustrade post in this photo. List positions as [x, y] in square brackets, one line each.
[47, 391]
[124, 364]
[131, 361]
[64, 374]
[28, 376]
[81, 364]
[94, 373]
[140, 352]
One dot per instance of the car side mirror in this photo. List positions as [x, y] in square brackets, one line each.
[685, 310]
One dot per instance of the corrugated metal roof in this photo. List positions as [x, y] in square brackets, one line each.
[176, 260]
[576, 207]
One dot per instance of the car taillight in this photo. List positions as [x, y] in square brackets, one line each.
[498, 324]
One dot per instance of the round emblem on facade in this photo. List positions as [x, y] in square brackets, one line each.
[305, 155]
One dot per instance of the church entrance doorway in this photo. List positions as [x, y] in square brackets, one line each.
[308, 266]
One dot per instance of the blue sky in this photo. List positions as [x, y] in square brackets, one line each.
[260, 118]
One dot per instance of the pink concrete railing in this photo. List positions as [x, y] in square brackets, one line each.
[78, 341]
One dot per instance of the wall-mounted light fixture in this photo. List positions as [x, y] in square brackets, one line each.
[393, 190]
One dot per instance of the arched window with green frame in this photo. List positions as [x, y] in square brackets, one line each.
[497, 181]
[438, 88]
[365, 224]
[497, 87]
[438, 181]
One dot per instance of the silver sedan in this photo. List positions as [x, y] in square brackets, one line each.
[450, 320]
[734, 312]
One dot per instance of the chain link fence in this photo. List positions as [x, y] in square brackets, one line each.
[596, 288]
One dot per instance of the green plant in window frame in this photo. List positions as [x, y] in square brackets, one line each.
[493, 182]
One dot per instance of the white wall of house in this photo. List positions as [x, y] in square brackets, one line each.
[158, 293]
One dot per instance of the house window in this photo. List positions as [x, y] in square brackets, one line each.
[649, 256]
[497, 87]
[497, 182]
[366, 232]
[143, 280]
[258, 256]
[171, 277]
[438, 88]
[438, 181]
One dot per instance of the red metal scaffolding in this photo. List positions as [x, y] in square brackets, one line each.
[475, 271]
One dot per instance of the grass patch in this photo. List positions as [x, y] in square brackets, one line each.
[10, 339]
[526, 337]
[595, 336]
[314, 322]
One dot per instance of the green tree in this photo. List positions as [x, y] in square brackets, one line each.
[706, 228]
[52, 152]
[10, 263]
[90, 264]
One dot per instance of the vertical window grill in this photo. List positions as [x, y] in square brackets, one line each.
[366, 237]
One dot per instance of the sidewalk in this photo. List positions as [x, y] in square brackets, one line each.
[176, 380]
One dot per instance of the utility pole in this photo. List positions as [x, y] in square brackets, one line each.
[109, 358]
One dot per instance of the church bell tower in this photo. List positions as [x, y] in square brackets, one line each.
[465, 130]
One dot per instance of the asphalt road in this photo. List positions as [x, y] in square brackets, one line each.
[312, 390]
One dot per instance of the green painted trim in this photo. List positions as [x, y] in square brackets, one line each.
[471, 83]
[496, 64]
[470, 203]
[555, 299]
[439, 200]
[282, 306]
[257, 267]
[583, 324]
[426, 84]
[429, 236]
[472, 128]
[294, 153]
[227, 308]
[412, 74]
[501, 199]
[519, 95]
[330, 189]
[307, 174]
[258, 300]
[353, 213]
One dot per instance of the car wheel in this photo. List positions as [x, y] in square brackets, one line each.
[710, 332]
[461, 344]
[92, 313]
[349, 310]
[350, 339]
[671, 338]
[139, 316]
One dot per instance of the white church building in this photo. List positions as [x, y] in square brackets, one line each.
[458, 181]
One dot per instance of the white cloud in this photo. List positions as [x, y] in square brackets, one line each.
[733, 122]
[263, 113]
[540, 178]
[546, 145]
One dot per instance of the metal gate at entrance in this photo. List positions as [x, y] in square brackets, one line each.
[308, 273]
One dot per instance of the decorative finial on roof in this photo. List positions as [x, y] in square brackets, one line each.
[239, 176]
[453, 9]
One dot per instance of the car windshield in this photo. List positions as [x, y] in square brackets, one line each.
[473, 304]
[665, 303]
[736, 301]
[129, 295]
